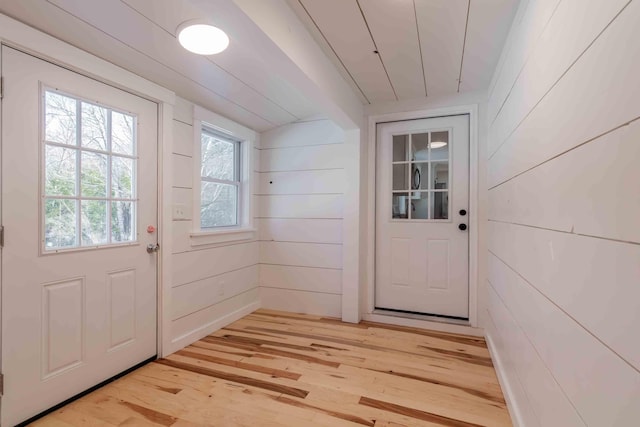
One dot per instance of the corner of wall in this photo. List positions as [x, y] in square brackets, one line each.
[209, 286]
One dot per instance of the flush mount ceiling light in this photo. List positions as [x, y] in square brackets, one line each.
[438, 144]
[202, 38]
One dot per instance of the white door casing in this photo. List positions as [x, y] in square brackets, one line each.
[72, 318]
[422, 257]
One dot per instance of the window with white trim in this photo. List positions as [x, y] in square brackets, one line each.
[223, 180]
[220, 180]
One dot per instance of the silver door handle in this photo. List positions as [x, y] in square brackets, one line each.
[151, 248]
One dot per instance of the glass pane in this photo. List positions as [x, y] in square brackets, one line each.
[122, 177]
[420, 205]
[440, 175]
[400, 148]
[440, 205]
[93, 178]
[440, 145]
[401, 176]
[122, 133]
[218, 158]
[60, 171]
[219, 205]
[122, 221]
[60, 119]
[93, 222]
[59, 223]
[94, 126]
[419, 176]
[399, 204]
[420, 147]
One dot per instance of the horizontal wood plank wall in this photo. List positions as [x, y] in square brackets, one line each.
[564, 241]
[212, 285]
[300, 199]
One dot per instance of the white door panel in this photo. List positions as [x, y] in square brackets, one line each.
[422, 184]
[74, 316]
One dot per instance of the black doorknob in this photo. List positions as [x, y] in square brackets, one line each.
[462, 226]
[462, 212]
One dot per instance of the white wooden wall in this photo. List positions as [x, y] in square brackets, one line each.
[211, 285]
[564, 209]
[300, 198]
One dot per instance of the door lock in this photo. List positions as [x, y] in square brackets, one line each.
[462, 227]
[151, 248]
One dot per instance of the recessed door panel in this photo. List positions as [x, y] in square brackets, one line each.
[438, 262]
[122, 307]
[63, 338]
[400, 261]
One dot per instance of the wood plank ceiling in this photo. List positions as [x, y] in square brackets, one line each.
[140, 36]
[405, 49]
[425, 47]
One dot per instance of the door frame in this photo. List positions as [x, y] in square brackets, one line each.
[45, 47]
[369, 294]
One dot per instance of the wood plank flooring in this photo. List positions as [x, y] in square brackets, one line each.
[282, 369]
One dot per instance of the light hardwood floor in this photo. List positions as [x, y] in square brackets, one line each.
[282, 369]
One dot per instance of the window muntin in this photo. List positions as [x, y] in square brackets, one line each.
[89, 180]
[220, 180]
[420, 176]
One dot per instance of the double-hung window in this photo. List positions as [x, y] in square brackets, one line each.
[223, 171]
[220, 180]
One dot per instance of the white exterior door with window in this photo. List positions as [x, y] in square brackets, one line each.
[79, 176]
[422, 198]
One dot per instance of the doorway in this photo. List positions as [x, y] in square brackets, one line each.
[79, 269]
[422, 211]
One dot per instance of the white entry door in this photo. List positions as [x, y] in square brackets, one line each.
[79, 162]
[422, 197]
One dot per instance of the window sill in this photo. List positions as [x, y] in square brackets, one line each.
[200, 238]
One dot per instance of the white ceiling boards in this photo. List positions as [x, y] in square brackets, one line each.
[398, 45]
[345, 30]
[425, 47]
[139, 35]
[386, 50]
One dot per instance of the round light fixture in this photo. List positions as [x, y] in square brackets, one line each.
[202, 38]
[438, 144]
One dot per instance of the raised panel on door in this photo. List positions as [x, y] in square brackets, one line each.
[62, 326]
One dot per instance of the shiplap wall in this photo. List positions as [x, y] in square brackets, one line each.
[211, 285]
[564, 205]
[300, 196]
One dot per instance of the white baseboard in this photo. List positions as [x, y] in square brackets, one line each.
[512, 406]
[201, 332]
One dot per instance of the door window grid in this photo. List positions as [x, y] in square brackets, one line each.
[89, 179]
[408, 163]
[220, 181]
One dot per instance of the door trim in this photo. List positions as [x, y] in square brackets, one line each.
[36, 43]
[373, 121]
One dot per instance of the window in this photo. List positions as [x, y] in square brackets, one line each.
[89, 179]
[421, 176]
[223, 185]
[220, 180]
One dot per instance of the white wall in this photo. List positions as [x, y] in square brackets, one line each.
[300, 198]
[212, 285]
[564, 241]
